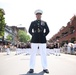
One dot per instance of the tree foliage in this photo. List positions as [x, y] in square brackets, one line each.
[22, 36]
[2, 22]
[9, 37]
[28, 38]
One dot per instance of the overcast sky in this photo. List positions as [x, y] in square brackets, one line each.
[55, 12]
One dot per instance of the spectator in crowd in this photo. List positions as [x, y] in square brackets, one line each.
[74, 46]
[65, 47]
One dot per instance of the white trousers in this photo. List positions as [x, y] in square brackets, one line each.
[27, 50]
[42, 48]
[57, 51]
[69, 50]
[8, 51]
[18, 51]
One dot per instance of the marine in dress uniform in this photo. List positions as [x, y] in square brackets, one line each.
[8, 49]
[57, 49]
[39, 30]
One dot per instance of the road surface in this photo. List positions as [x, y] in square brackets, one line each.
[19, 64]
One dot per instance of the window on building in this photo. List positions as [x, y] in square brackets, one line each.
[72, 40]
[57, 37]
[72, 29]
[62, 34]
[66, 33]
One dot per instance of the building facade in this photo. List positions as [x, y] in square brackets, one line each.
[9, 31]
[15, 30]
[66, 34]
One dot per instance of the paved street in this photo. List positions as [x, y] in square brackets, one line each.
[19, 64]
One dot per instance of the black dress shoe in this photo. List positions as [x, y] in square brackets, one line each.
[45, 71]
[31, 71]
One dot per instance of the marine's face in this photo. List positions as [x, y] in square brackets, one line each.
[38, 16]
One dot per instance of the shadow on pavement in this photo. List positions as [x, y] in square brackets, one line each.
[40, 73]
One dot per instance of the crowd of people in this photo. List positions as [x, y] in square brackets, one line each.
[26, 48]
[52, 48]
[70, 47]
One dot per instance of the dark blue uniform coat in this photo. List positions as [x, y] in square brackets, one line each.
[38, 29]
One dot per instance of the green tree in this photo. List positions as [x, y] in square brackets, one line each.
[2, 22]
[22, 36]
[9, 37]
[28, 38]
